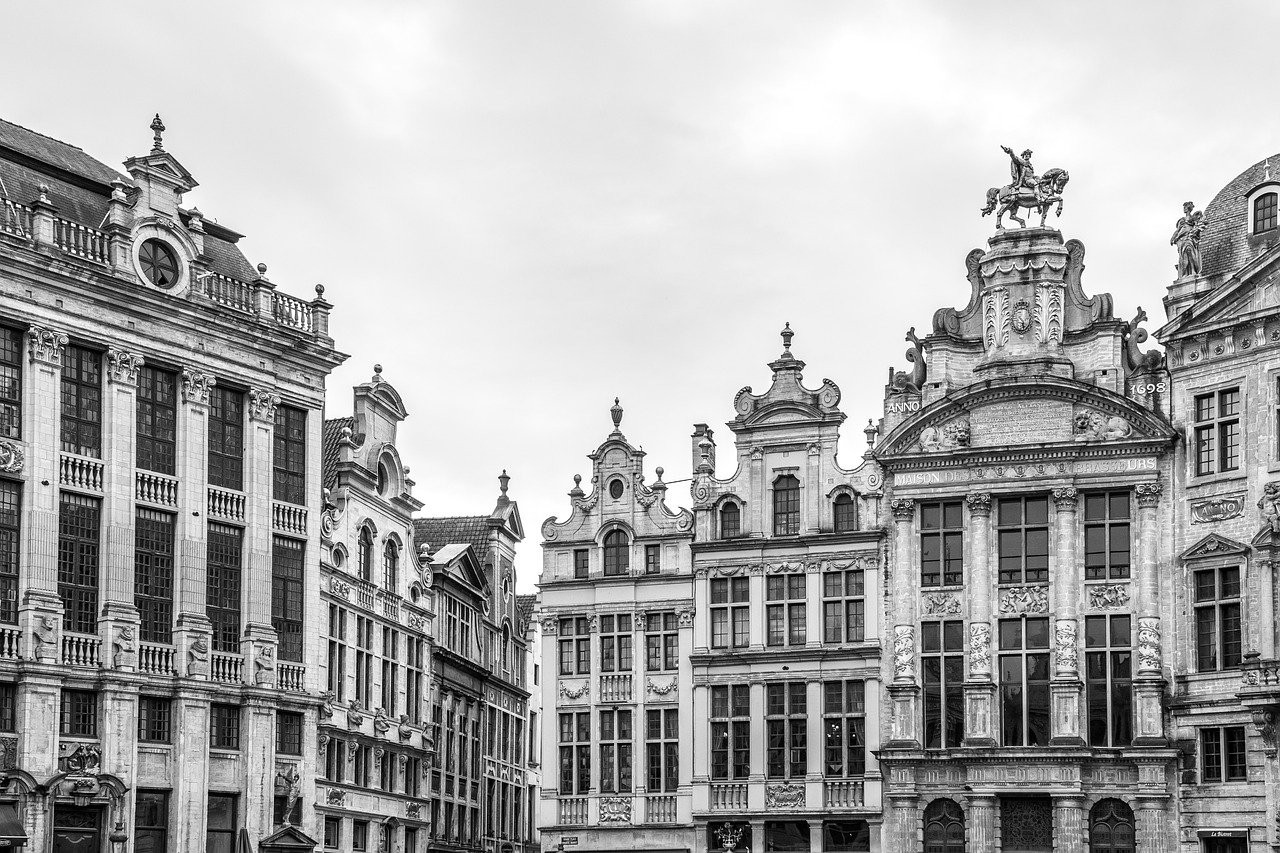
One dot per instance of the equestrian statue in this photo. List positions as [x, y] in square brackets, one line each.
[1027, 191]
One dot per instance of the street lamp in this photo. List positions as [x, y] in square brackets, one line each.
[729, 835]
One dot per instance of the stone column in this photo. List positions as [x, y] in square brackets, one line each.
[1068, 583]
[119, 623]
[813, 605]
[1149, 683]
[1152, 823]
[755, 624]
[757, 518]
[259, 637]
[759, 746]
[757, 836]
[812, 486]
[1069, 824]
[193, 634]
[813, 726]
[701, 757]
[982, 821]
[701, 634]
[118, 703]
[258, 746]
[904, 690]
[815, 835]
[1266, 608]
[979, 690]
[902, 821]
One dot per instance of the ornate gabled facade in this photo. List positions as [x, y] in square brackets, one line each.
[160, 430]
[1028, 459]
[375, 742]
[617, 629]
[1223, 340]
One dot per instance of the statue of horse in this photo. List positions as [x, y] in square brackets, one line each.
[1009, 198]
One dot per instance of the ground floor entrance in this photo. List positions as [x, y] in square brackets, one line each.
[788, 836]
[77, 829]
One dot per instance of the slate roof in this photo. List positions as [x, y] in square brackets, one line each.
[329, 448]
[457, 529]
[525, 605]
[56, 153]
[1226, 245]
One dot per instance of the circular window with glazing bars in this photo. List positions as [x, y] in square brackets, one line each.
[158, 262]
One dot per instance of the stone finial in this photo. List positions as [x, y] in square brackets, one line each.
[616, 413]
[659, 473]
[377, 373]
[320, 291]
[870, 431]
[118, 190]
[503, 480]
[787, 335]
[262, 271]
[157, 128]
[44, 193]
[576, 491]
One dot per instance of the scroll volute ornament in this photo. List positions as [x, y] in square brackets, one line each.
[262, 405]
[123, 367]
[903, 509]
[46, 345]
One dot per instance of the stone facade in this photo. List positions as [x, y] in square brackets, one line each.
[159, 595]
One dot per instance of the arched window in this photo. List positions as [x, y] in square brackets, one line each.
[365, 554]
[390, 565]
[1264, 213]
[786, 506]
[845, 511]
[616, 550]
[506, 647]
[944, 827]
[1111, 828]
[730, 521]
[384, 478]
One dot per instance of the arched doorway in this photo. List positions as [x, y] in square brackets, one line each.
[1111, 827]
[944, 827]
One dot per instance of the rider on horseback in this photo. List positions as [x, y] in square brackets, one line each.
[1022, 172]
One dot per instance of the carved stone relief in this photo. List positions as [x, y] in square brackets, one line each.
[950, 436]
[1148, 644]
[1108, 596]
[615, 810]
[1094, 426]
[785, 795]
[1024, 599]
[904, 653]
[941, 604]
[1064, 640]
[12, 457]
[979, 647]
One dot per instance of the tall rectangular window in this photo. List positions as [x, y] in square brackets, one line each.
[1024, 681]
[1217, 614]
[337, 661]
[844, 719]
[843, 606]
[1106, 535]
[661, 642]
[615, 643]
[79, 522]
[222, 585]
[941, 544]
[1222, 754]
[364, 660]
[615, 751]
[1023, 531]
[575, 753]
[153, 574]
[415, 678]
[360, 836]
[1108, 672]
[391, 670]
[224, 726]
[332, 833]
[730, 613]
[286, 595]
[335, 760]
[652, 559]
[786, 733]
[10, 383]
[151, 821]
[1217, 431]
[226, 438]
[786, 506]
[78, 716]
[10, 538]
[730, 731]
[785, 620]
[81, 415]
[288, 733]
[362, 765]
[8, 707]
[942, 665]
[220, 835]
[289, 459]
[581, 560]
[662, 751]
[575, 645]
[155, 719]
[157, 419]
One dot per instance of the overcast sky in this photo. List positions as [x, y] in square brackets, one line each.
[524, 209]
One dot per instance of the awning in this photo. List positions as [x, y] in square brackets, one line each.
[11, 831]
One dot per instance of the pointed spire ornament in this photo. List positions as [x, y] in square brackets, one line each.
[787, 335]
[503, 480]
[616, 413]
[157, 128]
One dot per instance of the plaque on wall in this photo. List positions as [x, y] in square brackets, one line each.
[1217, 508]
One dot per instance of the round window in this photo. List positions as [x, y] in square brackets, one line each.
[159, 264]
[615, 489]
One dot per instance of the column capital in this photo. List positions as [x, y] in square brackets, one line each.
[1066, 499]
[122, 366]
[262, 405]
[196, 386]
[1148, 493]
[979, 503]
[903, 509]
[45, 345]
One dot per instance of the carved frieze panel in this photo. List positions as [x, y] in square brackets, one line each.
[615, 810]
[941, 604]
[1108, 596]
[12, 456]
[1016, 600]
[575, 690]
[1022, 774]
[784, 795]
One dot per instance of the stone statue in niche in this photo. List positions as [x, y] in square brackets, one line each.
[124, 649]
[904, 383]
[198, 658]
[44, 635]
[264, 667]
[1270, 507]
[380, 722]
[289, 783]
[1186, 237]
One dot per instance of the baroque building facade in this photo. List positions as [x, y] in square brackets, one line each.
[160, 424]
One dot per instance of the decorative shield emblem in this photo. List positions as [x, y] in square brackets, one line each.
[1021, 320]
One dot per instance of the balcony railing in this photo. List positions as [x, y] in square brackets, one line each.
[365, 592]
[291, 311]
[660, 809]
[289, 518]
[226, 668]
[80, 472]
[228, 291]
[156, 659]
[156, 488]
[615, 688]
[81, 649]
[573, 811]
[80, 240]
[10, 644]
[729, 798]
[15, 219]
[842, 794]
[291, 677]
[225, 503]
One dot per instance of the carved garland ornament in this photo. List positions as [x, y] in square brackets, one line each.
[670, 686]
[904, 653]
[787, 795]
[1064, 638]
[12, 457]
[979, 647]
[575, 692]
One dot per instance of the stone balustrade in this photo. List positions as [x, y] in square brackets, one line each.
[291, 677]
[660, 808]
[80, 240]
[15, 219]
[80, 472]
[10, 643]
[157, 489]
[842, 794]
[226, 668]
[615, 688]
[288, 518]
[156, 659]
[573, 811]
[84, 650]
[226, 504]
[730, 797]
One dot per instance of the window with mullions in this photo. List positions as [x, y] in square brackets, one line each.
[289, 457]
[730, 731]
[1024, 681]
[785, 620]
[1023, 530]
[662, 751]
[390, 565]
[226, 438]
[786, 733]
[615, 643]
[157, 419]
[337, 668]
[575, 753]
[844, 721]
[155, 719]
[79, 714]
[10, 383]
[941, 544]
[1218, 627]
[81, 415]
[575, 645]
[8, 707]
[224, 726]
[844, 512]
[221, 823]
[288, 733]
[286, 595]
[652, 559]
[786, 506]
[615, 752]
[153, 574]
[1107, 535]
[843, 606]
[79, 522]
[581, 562]
[222, 585]
[10, 537]
[616, 553]
[942, 671]
[730, 613]
[1222, 754]
[1264, 213]
[730, 520]
[1108, 672]
[415, 678]
[1217, 431]
[364, 554]
[364, 660]
[390, 670]
[151, 821]
[661, 642]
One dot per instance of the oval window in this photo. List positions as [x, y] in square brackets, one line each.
[615, 489]
[159, 264]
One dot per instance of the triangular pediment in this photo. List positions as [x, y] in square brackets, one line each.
[460, 562]
[287, 838]
[162, 165]
[1253, 291]
[1213, 546]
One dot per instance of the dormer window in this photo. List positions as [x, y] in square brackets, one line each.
[730, 520]
[365, 554]
[616, 556]
[845, 513]
[384, 478]
[159, 264]
[1264, 212]
[786, 506]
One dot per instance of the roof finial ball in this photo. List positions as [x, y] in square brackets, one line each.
[787, 335]
[616, 413]
[377, 373]
[157, 128]
[503, 479]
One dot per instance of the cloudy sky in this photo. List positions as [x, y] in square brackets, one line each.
[523, 209]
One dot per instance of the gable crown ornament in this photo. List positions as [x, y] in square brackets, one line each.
[1026, 191]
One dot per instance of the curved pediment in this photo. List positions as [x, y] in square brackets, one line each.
[1011, 412]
